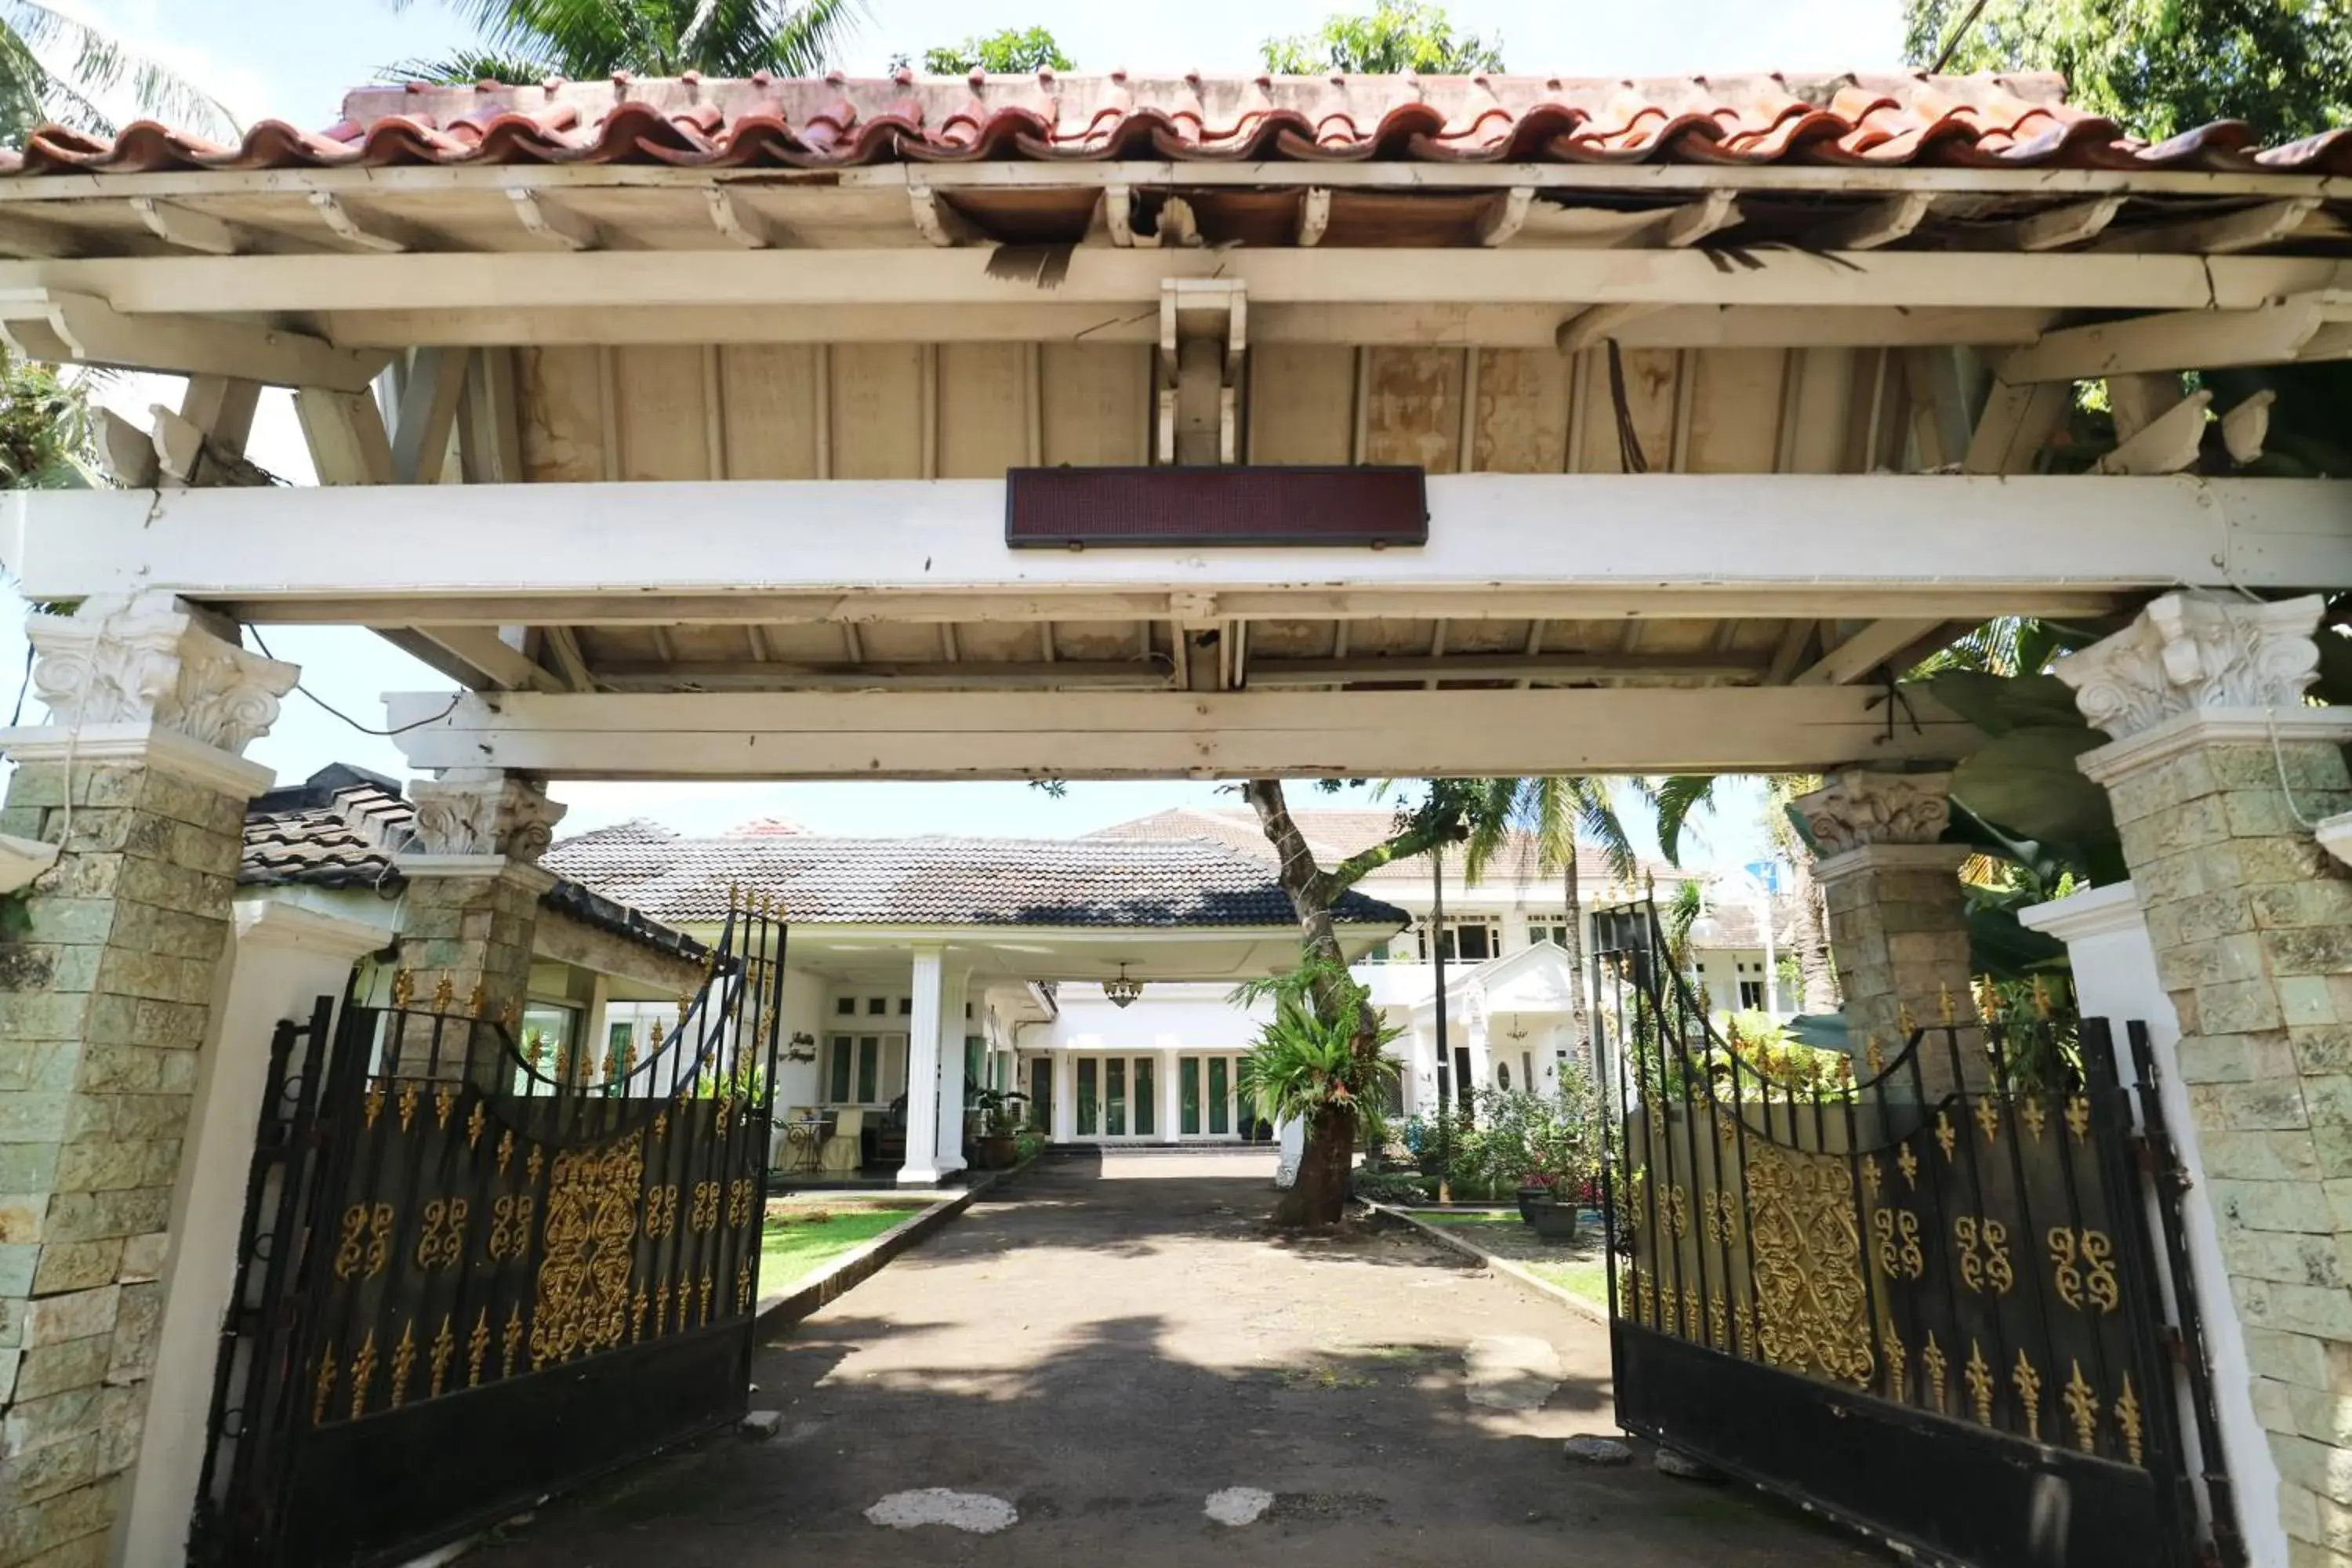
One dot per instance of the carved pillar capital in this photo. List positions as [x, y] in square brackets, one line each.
[480, 812]
[2183, 655]
[154, 660]
[1858, 810]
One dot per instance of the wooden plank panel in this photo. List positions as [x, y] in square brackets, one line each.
[1416, 408]
[1302, 403]
[768, 397]
[1098, 403]
[877, 414]
[1813, 425]
[1735, 420]
[983, 395]
[661, 416]
[1521, 423]
[1650, 377]
[559, 392]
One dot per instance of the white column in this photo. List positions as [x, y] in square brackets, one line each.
[594, 1043]
[281, 960]
[1172, 1103]
[1065, 1098]
[1421, 1073]
[2114, 978]
[921, 1169]
[1482, 1067]
[1515, 926]
[955, 985]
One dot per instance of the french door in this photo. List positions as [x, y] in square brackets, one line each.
[1118, 1097]
[1209, 1100]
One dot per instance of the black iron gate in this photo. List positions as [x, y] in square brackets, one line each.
[474, 1271]
[1920, 1293]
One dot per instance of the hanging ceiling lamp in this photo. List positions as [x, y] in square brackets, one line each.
[1122, 991]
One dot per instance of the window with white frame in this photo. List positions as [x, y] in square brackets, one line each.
[1473, 939]
[1549, 926]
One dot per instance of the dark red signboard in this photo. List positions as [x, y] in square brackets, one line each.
[1064, 509]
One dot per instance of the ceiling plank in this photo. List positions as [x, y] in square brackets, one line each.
[501, 667]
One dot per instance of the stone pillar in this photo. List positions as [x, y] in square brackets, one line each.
[1898, 921]
[2115, 977]
[283, 958]
[2215, 771]
[106, 995]
[954, 986]
[921, 1168]
[474, 888]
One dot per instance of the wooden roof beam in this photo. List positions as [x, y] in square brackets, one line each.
[2296, 327]
[553, 222]
[2249, 229]
[188, 229]
[68, 328]
[1881, 222]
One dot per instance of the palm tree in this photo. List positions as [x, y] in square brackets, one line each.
[1557, 812]
[530, 40]
[55, 69]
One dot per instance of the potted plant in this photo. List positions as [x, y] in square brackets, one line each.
[1560, 1147]
[997, 1146]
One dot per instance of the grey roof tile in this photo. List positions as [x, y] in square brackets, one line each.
[943, 881]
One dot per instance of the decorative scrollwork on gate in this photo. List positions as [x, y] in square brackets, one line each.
[1808, 1273]
[1982, 1249]
[2082, 1269]
[365, 1244]
[582, 1302]
[1899, 1251]
[441, 1243]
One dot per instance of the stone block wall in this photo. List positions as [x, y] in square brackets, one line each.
[106, 988]
[2251, 922]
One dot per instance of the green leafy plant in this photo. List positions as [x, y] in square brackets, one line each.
[1401, 1187]
[525, 41]
[1013, 51]
[1395, 36]
[1305, 1067]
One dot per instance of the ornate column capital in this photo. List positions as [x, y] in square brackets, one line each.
[153, 679]
[154, 660]
[2185, 655]
[476, 813]
[1861, 810]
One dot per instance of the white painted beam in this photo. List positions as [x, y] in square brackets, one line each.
[502, 665]
[1500, 545]
[369, 231]
[2270, 333]
[2053, 228]
[1881, 222]
[1410, 322]
[428, 410]
[1107, 275]
[1860, 655]
[2017, 422]
[1315, 215]
[1685, 227]
[2263, 223]
[79, 329]
[344, 430]
[185, 227]
[738, 222]
[1169, 734]
[1500, 223]
[939, 223]
[553, 222]
[2166, 444]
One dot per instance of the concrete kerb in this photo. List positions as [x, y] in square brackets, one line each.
[1597, 1311]
[860, 1264]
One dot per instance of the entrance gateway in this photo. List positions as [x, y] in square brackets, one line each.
[1732, 395]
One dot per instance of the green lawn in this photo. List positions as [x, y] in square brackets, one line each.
[795, 1246]
[1584, 1280]
[1501, 1216]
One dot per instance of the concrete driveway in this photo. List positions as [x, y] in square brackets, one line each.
[1106, 1350]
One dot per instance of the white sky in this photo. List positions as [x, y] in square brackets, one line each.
[292, 59]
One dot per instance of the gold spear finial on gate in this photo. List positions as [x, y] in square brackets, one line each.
[477, 1000]
[1904, 1021]
[1944, 1004]
[403, 989]
[2041, 998]
[445, 990]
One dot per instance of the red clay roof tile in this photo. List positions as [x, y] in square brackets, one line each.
[2016, 122]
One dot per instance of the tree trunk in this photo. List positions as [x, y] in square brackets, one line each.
[1579, 1023]
[1817, 977]
[1319, 1197]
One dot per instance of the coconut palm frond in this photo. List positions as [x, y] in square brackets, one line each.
[98, 65]
[472, 66]
[1494, 811]
[1675, 799]
[1598, 821]
[813, 36]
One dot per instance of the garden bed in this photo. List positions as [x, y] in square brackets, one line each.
[798, 1240]
[1576, 1269]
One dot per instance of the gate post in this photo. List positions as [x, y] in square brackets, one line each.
[1898, 921]
[106, 994]
[2215, 773]
[474, 888]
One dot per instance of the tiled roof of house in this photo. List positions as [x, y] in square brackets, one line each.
[1867, 119]
[944, 881]
[343, 826]
[1335, 833]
